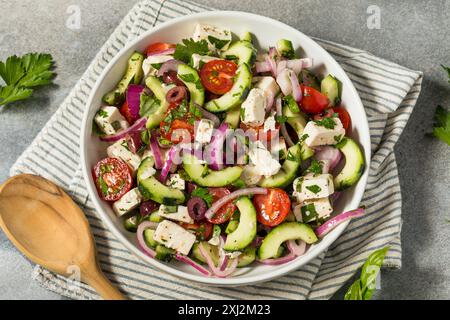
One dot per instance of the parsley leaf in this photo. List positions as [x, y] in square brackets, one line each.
[281, 119]
[316, 167]
[326, 122]
[21, 74]
[448, 71]
[204, 194]
[184, 51]
[314, 188]
[441, 127]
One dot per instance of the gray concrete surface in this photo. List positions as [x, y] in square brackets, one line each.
[413, 33]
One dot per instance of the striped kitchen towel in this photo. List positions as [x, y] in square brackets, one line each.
[388, 92]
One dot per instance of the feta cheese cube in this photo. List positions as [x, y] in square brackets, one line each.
[175, 181]
[253, 109]
[128, 202]
[216, 37]
[319, 135]
[313, 186]
[176, 213]
[268, 85]
[120, 150]
[250, 175]
[197, 61]
[316, 209]
[110, 120]
[151, 64]
[204, 130]
[269, 124]
[174, 237]
[261, 158]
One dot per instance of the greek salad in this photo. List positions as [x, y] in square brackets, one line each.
[220, 155]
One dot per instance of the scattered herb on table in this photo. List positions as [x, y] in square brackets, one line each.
[363, 288]
[441, 126]
[22, 74]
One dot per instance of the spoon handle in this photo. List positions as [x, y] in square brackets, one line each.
[103, 286]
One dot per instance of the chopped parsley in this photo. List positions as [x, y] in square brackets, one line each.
[291, 103]
[316, 167]
[441, 127]
[281, 119]
[328, 123]
[303, 138]
[187, 77]
[102, 113]
[309, 213]
[204, 194]
[314, 188]
[185, 50]
[218, 43]
[338, 138]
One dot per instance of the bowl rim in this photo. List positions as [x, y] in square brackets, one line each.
[232, 281]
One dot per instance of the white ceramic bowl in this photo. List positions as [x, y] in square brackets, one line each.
[266, 32]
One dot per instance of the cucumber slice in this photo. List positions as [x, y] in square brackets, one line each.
[156, 86]
[247, 257]
[308, 79]
[133, 75]
[204, 177]
[298, 122]
[284, 232]
[285, 48]
[151, 188]
[131, 223]
[243, 51]
[163, 253]
[354, 164]
[155, 217]
[212, 250]
[288, 170]
[190, 78]
[246, 36]
[232, 225]
[233, 117]
[246, 230]
[330, 86]
[148, 238]
[236, 95]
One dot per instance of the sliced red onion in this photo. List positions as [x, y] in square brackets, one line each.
[270, 59]
[215, 148]
[235, 194]
[262, 66]
[139, 124]
[328, 153]
[281, 65]
[134, 141]
[284, 81]
[168, 163]
[133, 99]
[296, 249]
[156, 152]
[284, 132]
[277, 261]
[307, 63]
[170, 65]
[176, 94]
[197, 208]
[162, 53]
[193, 264]
[208, 115]
[337, 220]
[140, 237]
[296, 90]
[216, 270]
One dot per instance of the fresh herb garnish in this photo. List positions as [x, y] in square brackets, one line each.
[363, 288]
[314, 188]
[291, 103]
[204, 194]
[102, 113]
[448, 71]
[21, 74]
[281, 119]
[184, 51]
[309, 212]
[316, 167]
[441, 127]
[326, 122]
[303, 138]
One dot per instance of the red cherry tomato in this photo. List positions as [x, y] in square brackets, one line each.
[217, 76]
[159, 47]
[125, 111]
[179, 131]
[313, 101]
[257, 133]
[273, 207]
[113, 178]
[344, 116]
[226, 211]
[202, 230]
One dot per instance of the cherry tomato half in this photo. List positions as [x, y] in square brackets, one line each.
[113, 178]
[202, 230]
[257, 133]
[159, 47]
[313, 101]
[344, 116]
[273, 207]
[226, 211]
[217, 76]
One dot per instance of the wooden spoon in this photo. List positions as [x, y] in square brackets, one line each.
[46, 225]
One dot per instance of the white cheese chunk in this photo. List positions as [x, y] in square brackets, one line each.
[318, 135]
[250, 175]
[253, 109]
[120, 150]
[110, 120]
[176, 213]
[128, 202]
[316, 209]
[269, 124]
[204, 130]
[313, 186]
[174, 237]
[261, 158]
[216, 37]
[176, 182]
[268, 85]
[151, 64]
[197, 61]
